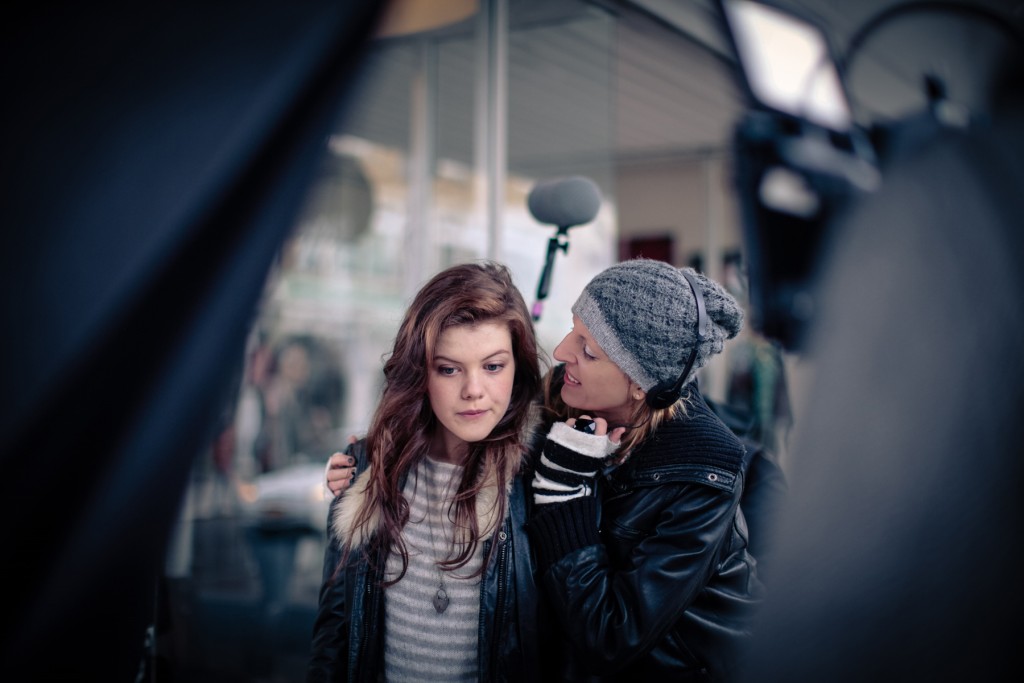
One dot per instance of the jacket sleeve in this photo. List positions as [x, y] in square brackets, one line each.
[329, 649]
[615, 615]
[764, 498]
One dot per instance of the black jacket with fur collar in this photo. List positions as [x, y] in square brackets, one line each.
[349, 629]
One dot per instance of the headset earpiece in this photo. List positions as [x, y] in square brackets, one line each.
[664, 394]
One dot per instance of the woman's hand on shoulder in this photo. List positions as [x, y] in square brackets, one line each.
[340, 471]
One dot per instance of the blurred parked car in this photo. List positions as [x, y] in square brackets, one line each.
[292, 497]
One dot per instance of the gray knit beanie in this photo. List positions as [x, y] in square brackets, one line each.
[644, 316]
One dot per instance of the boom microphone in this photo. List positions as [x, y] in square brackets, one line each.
[564, 202]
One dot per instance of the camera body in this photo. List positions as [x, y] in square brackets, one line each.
[798, 159]
[793, 180]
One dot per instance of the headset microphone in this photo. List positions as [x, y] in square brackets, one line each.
[664, 394]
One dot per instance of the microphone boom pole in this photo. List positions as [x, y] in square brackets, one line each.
[558, 242]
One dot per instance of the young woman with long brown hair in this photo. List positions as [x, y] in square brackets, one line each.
[428, 573]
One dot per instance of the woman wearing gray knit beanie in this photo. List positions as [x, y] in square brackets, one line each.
[642, 549]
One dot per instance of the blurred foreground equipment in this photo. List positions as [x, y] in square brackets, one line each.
[154, 157]
[897, 556]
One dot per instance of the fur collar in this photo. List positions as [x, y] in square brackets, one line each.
[345, 513]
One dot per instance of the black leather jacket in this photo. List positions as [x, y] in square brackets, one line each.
[655, 582]
[348, 632]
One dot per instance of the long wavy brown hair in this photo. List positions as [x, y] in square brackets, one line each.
[403, 425]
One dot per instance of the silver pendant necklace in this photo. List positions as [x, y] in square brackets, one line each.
[440, 598]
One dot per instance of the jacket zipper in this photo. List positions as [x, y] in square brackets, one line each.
[499, 604]
[369, 610]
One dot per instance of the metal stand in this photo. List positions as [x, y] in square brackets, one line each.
[558, 242]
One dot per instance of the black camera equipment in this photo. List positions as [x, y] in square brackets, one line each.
[584, 425]
[798, 158]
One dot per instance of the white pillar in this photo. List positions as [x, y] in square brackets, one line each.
[492, 115]
[420, 256]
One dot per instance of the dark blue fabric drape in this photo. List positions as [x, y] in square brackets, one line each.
[153, 157]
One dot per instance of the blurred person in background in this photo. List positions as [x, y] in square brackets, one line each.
[428, 574]
[249, 414]
[757, 386]
[300, 400]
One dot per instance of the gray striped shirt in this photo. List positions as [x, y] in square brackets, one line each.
[421, 644]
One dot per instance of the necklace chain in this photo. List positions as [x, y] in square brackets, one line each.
[440, 599]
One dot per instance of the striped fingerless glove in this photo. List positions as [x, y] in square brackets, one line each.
[568, 464]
